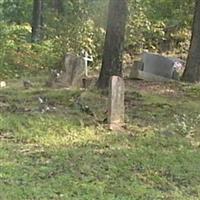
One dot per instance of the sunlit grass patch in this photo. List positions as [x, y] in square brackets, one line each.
[68, 153]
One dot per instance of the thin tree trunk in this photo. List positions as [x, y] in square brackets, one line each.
[37, 20]
[192, 70]
[114, 42]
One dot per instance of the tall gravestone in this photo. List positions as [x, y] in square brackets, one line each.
[116, 103]
[74, 70]
[71, 74]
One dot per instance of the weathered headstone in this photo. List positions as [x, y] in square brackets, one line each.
[72, 73]
[116, 103]
[158, 65]
[157, 68]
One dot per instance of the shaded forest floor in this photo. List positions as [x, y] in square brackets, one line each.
[61, 149]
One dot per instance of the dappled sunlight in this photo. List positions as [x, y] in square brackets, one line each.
[92, 103]
[68, 138]
[70, 148]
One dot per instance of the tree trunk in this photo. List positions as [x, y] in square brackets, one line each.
[58, 6]
[192, 70]
[114, 42]
[37, 20]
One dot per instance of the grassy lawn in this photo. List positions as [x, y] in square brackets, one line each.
[66, 152]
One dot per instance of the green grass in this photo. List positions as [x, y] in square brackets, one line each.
[68, 154]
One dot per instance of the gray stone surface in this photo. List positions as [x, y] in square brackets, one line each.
[116, 103]
[158, 65]
[155, 67]
[71, 75]
[137, 65]
[149, 77]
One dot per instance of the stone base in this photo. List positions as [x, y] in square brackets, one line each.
[149, 77]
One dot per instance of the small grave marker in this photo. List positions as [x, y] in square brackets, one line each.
[116, 103]
[87, 59]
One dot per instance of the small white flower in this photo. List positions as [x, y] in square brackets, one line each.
[2, 84]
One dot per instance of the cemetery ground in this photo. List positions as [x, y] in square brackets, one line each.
[54, 143]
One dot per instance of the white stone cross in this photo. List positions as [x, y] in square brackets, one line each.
[86, 59]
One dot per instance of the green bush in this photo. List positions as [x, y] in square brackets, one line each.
[82, 27]
[19, 54]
